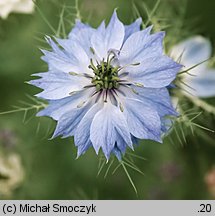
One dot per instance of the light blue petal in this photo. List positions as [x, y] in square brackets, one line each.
[82, 33]
[114, 34]
[76, 60]
[156, 72]
[166, 125]
[82, 133]
[158, 98]
[83, 148]
[192, 51]
[79, 26]
[120, 145]
[57, 108]
[69, 121]
[54, 46]
[141, 45]
[132, 28]
[83, 41]
[110, 38]
[143, 120]
[54, 61]
[203, 86]
[106, 125]
[58, 85]
[135, 140]
[101, 28]
[118, 153]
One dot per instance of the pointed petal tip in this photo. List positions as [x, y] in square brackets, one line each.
[119, 157]
[55, 134]
[28, 82]
[39, 95]
[159, 139]
[139, 20]
[130, 145]
[52, 137]
[162, 34]
[150, 27]
[80, 152]
[177, 114]
[115, 10]
[115, 14]
[96, 149]
[78, 155]
[118, 154]
[37, 74]
[77, 21]
[47, 37]
[39, 114]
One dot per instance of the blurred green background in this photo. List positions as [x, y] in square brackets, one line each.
[171, 170]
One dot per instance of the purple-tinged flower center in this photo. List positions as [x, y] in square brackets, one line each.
[106, 76]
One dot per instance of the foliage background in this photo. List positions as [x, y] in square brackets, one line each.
[174, 170]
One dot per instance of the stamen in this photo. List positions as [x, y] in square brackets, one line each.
[92, 66]
[123, 74]
[81, 104]
[128, 82]
[107, 81]
[88, 86]
[73, 73]
[106, 76]
[103, 67]
[128, 86]
[87, 75]
[121, 92]
[113, 98]
[138, 84]
[80, 74]
[128, 65]
[134, 91]
[92, 51]
[95, 93]
[115, 91]
[106, 93]
[98, 96]
[121, 107]
[114, 52]
[136, 64]
[73, 92]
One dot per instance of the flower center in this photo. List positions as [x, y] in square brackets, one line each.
[106, 76]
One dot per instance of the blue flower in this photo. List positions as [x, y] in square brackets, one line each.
[200, 81]
[107, 87]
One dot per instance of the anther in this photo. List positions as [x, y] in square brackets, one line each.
[135, 64]
[81, 104]
[92, 51]
[121, 107]
[72, 93]
[73, 73]
[138, 84]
